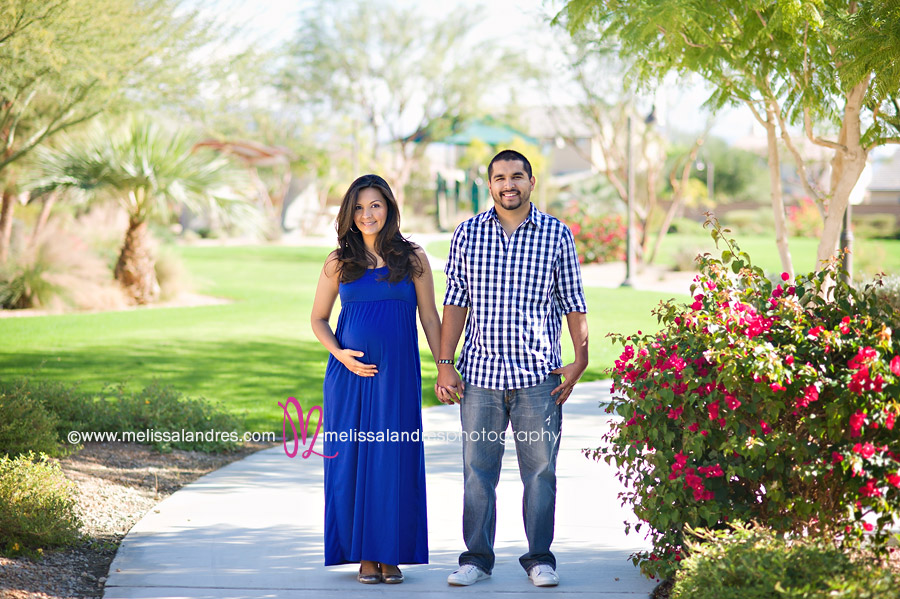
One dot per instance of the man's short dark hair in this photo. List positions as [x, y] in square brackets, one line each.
[511, 156]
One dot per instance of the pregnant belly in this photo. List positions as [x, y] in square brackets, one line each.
[377, 329]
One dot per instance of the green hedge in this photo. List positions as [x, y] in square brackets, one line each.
[37, 506]
[754, 563]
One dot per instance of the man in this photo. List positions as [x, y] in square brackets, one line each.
[514, 271]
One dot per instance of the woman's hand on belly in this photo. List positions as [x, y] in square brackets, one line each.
[348, 357]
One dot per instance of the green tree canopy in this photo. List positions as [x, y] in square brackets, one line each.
[828, 66]
[63, 63]
[399, 78]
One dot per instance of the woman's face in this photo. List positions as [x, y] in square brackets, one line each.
[370, 212]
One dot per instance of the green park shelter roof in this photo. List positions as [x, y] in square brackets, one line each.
[487, 131]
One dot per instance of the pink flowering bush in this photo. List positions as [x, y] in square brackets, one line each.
[759, 401]
[597, 238]
[805, 218]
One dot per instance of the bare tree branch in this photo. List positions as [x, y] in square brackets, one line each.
[815, 194]
[807, 125]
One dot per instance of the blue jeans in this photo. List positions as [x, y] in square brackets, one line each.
[536, 424]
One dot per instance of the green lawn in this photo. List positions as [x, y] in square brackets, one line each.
[250, 354]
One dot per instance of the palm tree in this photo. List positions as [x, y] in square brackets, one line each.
[152, 171]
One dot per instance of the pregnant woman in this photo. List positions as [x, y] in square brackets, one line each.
[375, 486]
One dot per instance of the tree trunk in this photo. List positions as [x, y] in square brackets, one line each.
[135, 269]
[652, 174]
[6, 217]
[846, 167]
[781, 238]
[47, 203]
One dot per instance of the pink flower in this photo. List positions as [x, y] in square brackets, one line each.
[698, 305]
[776, 387]
[857, 419]
[867, 450]
[765, 428]
[868, 527]
[732, 402]
[864, 356]
[694, 427]
[789, 360]
[869, 489]
[675, 413]
[713, 410]
[889, 421]
[895, 365]
[711, 471]
[777, 291]
[893, 479]
[845, 325]
[785, 276]
[815, 331]
[836, 458]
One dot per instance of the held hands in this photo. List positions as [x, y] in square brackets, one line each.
[570, 373]
[449, 387]
[347, 357]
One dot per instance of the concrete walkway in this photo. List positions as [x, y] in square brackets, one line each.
[254, 527]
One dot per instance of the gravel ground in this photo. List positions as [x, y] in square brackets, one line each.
[118, 483]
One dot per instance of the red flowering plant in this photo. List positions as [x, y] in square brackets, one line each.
[759, 401]
[597, 238]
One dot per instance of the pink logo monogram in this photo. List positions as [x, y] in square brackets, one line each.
[304, 426]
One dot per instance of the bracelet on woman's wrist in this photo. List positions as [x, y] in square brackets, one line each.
[445, 361]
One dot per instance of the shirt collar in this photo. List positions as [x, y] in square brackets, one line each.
[534, 215]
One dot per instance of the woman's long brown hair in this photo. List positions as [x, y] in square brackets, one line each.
[398, 253]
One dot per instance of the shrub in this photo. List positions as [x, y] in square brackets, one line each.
[750, 222]
[160, 409]
[805, 219]
[759, 402]
[684, 258]
[597, 238]
[875, 225]
[37, 506]
[58, 270]
[68, 407]
[755, 563]
[684, 226]
[887, 289]
[25, 425]
[157, 410]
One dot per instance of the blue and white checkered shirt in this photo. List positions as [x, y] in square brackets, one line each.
[516, 289]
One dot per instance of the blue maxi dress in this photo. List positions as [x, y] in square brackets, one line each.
[375, 486]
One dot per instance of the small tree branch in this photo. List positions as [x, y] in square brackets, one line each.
[765, 25]
[755, 112]
[807, 125]
[689, 42]
[815, 194]
[882, 141]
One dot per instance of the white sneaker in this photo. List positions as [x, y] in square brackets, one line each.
[543, 575]
[467, 574]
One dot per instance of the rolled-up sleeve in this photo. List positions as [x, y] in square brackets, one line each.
[457, 278]
[569, 290]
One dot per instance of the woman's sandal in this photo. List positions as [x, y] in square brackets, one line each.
[369, 578]
[392, 578]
